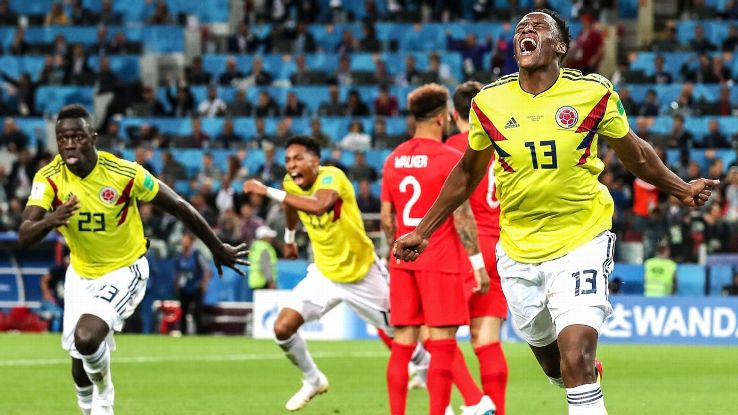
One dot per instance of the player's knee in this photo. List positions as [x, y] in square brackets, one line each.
[283, 330]
[85, 340]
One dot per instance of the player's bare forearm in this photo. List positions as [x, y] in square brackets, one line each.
[466, 226]
[640, 159]
[34, 226]
[460, 183]
[321, 201]
[291, 218]
[387, 221]
[169, 201]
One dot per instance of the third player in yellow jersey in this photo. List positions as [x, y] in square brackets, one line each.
[550, 198]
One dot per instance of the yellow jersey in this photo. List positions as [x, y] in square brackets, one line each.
[343, 252]
[547, 166]
[106, 233]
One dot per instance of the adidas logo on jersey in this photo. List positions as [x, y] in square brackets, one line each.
[512, 123]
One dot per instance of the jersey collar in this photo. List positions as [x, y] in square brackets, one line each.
[544, 92]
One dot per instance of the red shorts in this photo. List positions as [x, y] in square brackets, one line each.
[493, 303]
[435, 299]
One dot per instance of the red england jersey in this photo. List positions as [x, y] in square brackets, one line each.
[483, 201]
[413, 176]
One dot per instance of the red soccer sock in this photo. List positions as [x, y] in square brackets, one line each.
[397, 376]
[493, 368]
[464, 380]
[387, 340]
[440, 373]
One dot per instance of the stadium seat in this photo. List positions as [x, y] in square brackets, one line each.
[631, 276]
[50, 99]
[720, 275]
[690, 280]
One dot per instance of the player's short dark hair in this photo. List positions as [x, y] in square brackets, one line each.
[564, 35]
[310, 144]
[427, 100]
[463, 96]
[73, 111]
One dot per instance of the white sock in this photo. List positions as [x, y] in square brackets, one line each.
[586, 400]
[421, 359]
[84, 398]
[556, 381]
[97, 366]
[296, 350]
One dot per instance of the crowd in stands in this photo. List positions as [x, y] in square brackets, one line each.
[341, 74]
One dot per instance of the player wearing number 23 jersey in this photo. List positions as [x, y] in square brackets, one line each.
[106, 233]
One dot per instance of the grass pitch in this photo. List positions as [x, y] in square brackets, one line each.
[231, 375]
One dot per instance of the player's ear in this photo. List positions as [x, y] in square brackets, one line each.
[561, 48]
[93, 138]
[455, 115]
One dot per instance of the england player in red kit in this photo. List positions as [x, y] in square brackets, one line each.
[429, 291]
[487, 311]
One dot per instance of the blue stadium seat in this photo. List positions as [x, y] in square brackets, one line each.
[24, 7]
[720, 275]
[35, 129]
[715, 31]
[690, 280]
[291, 272]
[53, 98]
[632, 277]
[125, 67]
[14, 66]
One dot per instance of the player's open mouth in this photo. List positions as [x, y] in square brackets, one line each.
[298, 178]
[71, 159]
[527, 46]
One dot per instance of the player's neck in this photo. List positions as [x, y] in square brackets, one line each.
[539, 80]
[432, 132]
[83, 170]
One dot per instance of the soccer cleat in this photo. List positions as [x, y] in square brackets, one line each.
[598, 370]
[415, 380]
[103, 394]
[307, 392]
[484, 407]
[449, 411]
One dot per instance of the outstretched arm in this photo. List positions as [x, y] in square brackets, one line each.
[320, 202]
[640, 159]
[223, 254]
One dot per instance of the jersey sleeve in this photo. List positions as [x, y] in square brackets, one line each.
[615, 121]
[478, 137]
[42, 193]
[330, 180]
[145, 186]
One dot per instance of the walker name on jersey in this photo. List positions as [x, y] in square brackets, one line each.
[418, 161]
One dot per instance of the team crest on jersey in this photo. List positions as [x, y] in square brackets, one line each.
[108, 195]
[567, 117]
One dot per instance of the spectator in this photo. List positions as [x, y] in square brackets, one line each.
[700, 44]
[193, 277]
[236, 171]
[650, 106]
[659, 274]
[335, 160]
[645, 199]
[333, 107]
[629, 104]
[7, 16]
[730, 10]
[240, 107]
[380, 138]
[703, 73]
[356, 139]
[731, 289]
[667, 41]
[660, 76]
[294, 107]
[303, 40]
[196, 74]
[209, 171]
[731, 194]
[316, 131]
[302, 74]
[24, 89]
[19, 46]
[368, 203]
[108, 16]
[111, 139]
[81, 16]
[228, 136]
[231, 73]
[681, 138]
[79, 72]
[380, 75]
[54, 71]
[438, 72]
[243, 42]
[701, 11]
[588, 49]
[355, 107]
[142, 156]
[691, 170]
[260, 133]
[249, 223]
[284, 132]
[213, 105]
[52, 292]
[183, 103]
[270, 172]
[730, 44]
[12, 137]
[105, 79]
[56, 16]
[716, 168]
[472, 53]
[714, 138]
[228, 222]
[344, 75]
[685, 103]
[60, 46]
[263, 258]
[716, 231]
[370, 42]
[21, 174]
[198, 138]
[258, 75]
[171, 169]
[266, 106]
[410, 75]
[161, 15]
[101, 46]
[148, 105]
[720, 72]
[348, 44]
[121, 46]
[360, 170]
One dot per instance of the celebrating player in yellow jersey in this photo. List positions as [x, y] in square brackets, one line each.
[345, 269]
[555, 250]
[91, 197]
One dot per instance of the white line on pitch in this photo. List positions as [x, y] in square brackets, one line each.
[213, 358]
